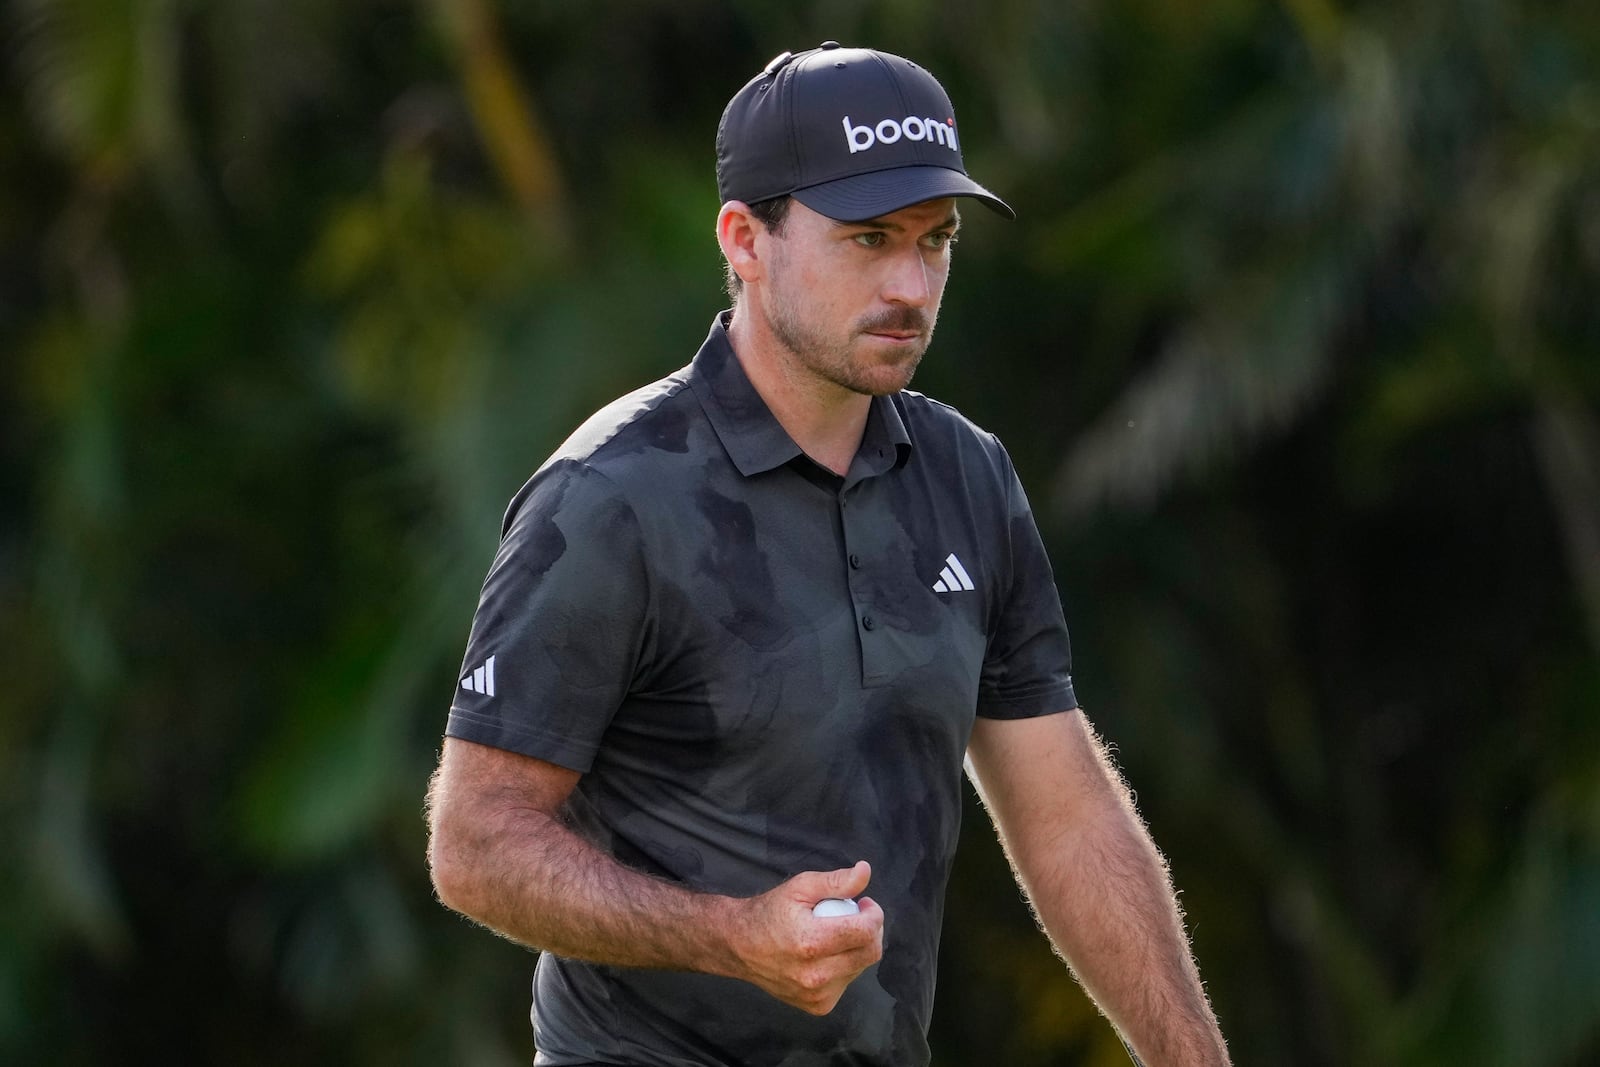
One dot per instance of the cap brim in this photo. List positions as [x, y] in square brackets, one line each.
[881, 192]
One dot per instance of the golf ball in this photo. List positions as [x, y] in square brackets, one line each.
[833, 907]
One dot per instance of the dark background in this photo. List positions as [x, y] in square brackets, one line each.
[1295, 343]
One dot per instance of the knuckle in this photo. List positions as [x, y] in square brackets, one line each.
[820, 1003]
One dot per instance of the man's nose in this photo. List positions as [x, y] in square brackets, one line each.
[910, 280]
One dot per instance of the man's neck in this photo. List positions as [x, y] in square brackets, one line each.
[824, 419]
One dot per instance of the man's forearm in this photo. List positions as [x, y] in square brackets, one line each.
[500, 853]
[532, 879]
[1107, 903]
[1096, 881]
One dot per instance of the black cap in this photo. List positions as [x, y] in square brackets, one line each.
[851, 133]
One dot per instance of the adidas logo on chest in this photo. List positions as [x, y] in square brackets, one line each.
[953, 578]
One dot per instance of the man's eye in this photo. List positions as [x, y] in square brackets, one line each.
[941, 240]
[869, 240]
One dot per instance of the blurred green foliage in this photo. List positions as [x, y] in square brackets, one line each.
[1295, 344]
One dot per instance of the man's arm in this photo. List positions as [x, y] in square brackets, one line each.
[500, 853]
[1096, 881]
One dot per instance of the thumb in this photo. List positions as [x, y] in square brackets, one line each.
[850, 881]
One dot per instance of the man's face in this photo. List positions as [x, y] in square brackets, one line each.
[854, 303]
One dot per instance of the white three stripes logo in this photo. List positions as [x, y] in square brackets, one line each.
[481, 680]
[953, 579]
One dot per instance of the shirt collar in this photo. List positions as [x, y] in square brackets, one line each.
[752, 436]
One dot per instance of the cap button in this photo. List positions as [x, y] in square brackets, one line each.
[830, 44]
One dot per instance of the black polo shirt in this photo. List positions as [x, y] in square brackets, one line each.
[761, 668]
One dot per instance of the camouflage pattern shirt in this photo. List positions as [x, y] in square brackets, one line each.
[761, 668]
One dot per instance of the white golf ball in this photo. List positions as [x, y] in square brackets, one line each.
[833, 907]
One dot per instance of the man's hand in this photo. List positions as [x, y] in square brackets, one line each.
[799, 958]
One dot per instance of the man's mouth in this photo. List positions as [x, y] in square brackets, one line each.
[904, 325]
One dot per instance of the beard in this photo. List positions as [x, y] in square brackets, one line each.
[833, 354]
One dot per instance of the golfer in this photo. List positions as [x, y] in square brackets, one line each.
[748, 624]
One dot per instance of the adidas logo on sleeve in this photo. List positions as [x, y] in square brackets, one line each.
[481, 680]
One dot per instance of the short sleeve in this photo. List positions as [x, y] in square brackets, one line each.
[1027, 670]
[556, 637]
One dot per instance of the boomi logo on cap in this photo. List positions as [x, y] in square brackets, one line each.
[889, 131]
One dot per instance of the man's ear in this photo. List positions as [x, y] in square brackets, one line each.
[736, 233]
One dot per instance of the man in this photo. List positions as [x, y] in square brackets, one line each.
[747, 624]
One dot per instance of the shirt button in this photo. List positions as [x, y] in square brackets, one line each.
[855, 561]
[867, 622]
